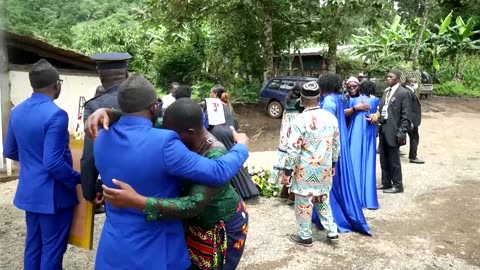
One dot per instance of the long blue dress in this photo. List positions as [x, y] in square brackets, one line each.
[362, 139]
[346, 206]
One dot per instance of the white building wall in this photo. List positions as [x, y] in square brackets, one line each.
[74, 86]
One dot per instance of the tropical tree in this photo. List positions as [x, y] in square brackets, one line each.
[455, 40]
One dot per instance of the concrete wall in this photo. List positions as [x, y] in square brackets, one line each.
[74, 86]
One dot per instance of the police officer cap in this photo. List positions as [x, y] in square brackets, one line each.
[113, 60]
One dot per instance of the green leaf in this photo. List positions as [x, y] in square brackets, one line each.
[436, 65]
[445, 24]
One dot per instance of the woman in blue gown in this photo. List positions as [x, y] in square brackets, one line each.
[346, 206]
[362, 139]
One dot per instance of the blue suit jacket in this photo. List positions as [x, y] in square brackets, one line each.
[38, 138]
[152, 161]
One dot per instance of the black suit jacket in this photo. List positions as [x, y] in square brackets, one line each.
[88, 171]
[416, 109]
[398, 122]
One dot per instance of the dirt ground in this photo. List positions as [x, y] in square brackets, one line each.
[435, 224]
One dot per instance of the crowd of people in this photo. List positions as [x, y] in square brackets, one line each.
[174, 185]
[328, 170]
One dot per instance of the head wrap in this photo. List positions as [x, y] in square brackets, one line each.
[353, 79]
[310, 90]
[135, 94]
[43, 74]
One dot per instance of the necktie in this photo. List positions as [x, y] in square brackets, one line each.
[389, 91]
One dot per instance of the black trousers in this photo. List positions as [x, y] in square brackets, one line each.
[390, 163]
[414, 140]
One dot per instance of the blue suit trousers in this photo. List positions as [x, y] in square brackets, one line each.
[47, 239]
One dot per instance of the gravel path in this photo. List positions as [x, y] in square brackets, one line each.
[434, 224]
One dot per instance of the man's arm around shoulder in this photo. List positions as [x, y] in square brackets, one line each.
[181, 162]
[56, 139]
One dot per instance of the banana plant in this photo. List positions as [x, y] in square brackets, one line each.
[452, 41]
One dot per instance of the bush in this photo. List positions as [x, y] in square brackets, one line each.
[349, 66]
[178, 62]
[469, 68]
[454, 88]
[238, 92]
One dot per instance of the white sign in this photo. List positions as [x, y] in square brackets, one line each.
[215, 112]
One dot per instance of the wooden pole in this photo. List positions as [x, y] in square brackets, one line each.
[4, 92]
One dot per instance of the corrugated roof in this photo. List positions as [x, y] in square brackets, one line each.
[47, 50]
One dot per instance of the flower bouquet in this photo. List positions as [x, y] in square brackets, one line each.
[260, 178]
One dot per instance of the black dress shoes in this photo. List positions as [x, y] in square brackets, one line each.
[299, 241]
[417, 161]
[382, 187]
[394, 190]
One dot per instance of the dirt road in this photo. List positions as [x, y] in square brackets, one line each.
[435, 224]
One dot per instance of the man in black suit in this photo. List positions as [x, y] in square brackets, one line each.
[393, 117]
[415, 118]
[112, 70]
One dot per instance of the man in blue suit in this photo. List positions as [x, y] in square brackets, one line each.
[150, 160]
[46, 186]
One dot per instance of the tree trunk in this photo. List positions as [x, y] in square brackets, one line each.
[418, 42]
[300, 61]
[332, 52]
[458, 75]
[268, 39]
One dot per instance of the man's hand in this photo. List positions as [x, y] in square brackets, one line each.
[286, 179]
[124, 197]
[372, 118]
[99, 117]
[98, 199]
[401, 141]
[333, 171]
[241, 138]
[362, 107]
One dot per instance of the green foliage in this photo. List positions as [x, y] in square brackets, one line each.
[470, 70]
[348, 65]
[201, 89]
[260, 178]
[455, 88]
[51, 20]
[385, 46]
[177, 62]
[118, 33]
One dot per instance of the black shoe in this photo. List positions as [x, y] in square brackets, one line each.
[417, 161]
[382, 187]
[333, 238]
[394, 190]
[299, 241]
[100, 210]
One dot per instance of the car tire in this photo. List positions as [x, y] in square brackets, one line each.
[275, 109]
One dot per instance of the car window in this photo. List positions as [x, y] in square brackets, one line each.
[274, 84]
[287, 85]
